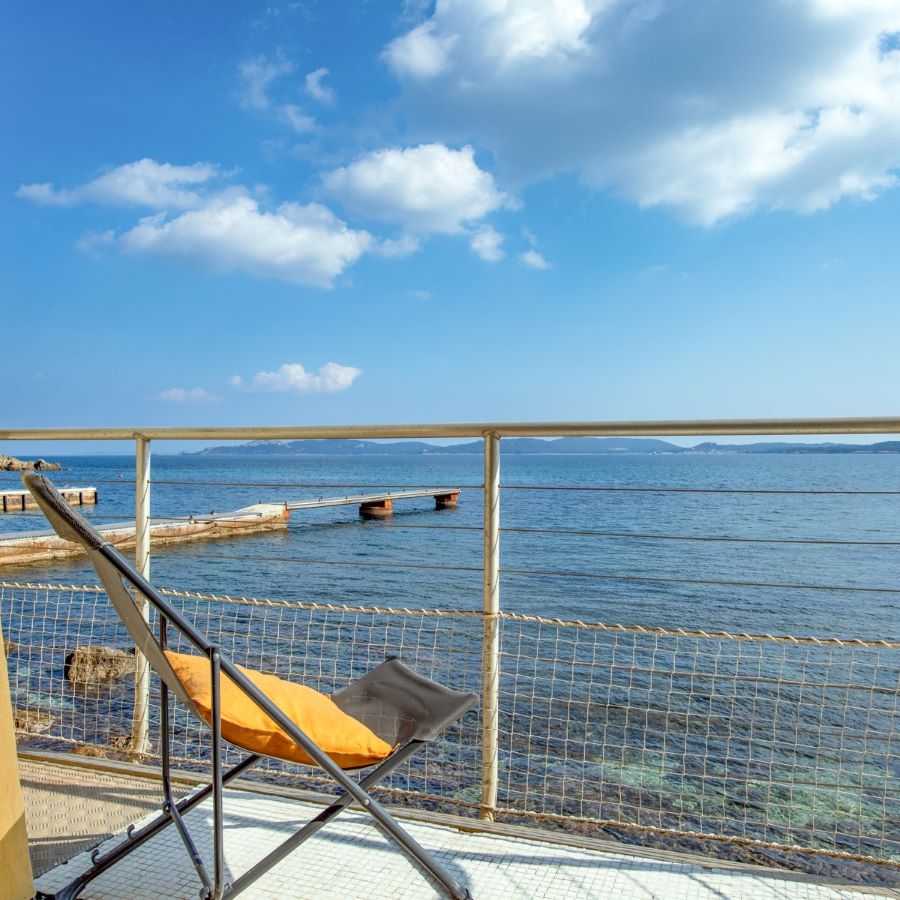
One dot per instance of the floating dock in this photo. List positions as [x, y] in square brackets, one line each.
[43, 546]
[16, 501]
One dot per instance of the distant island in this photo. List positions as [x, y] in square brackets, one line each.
[532, 446]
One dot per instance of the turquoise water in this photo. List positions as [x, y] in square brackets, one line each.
[270, 565]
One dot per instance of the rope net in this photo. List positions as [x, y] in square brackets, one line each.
[772, 741]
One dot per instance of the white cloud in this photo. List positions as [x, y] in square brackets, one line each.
[429, 188]
[397, 248]
[296, 118]
[534, 260]
[486, 244]
[763, 105]
[418, 53]
[92, 241]
[318, 91]
[292, 377]
[141, 183]
[187, 395]
[256, 77]
[295, 243]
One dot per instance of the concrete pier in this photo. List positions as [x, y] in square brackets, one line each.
[37, 547]
[42, 546]
[381, 506]
[17, 501]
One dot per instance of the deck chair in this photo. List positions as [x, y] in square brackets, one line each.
[391, 702]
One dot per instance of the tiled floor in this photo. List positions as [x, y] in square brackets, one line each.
[350, 859]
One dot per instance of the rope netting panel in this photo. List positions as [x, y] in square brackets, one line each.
[748, 738]
[87, 700]
[779, 742]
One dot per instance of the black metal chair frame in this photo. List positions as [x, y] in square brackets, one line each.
[448, 706]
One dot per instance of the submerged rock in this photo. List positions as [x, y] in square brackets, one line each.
[99, 665]
[32, 721]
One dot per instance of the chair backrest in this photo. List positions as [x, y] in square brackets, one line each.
[114, 570]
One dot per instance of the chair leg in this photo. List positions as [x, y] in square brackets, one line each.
[219, 885]
[311, 827]
[420, 856]
[416, 851]
[172, 812]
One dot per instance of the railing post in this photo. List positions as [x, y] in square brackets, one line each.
[490, 663]
[140, 719]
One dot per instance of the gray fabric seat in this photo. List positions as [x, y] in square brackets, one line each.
[402, 707]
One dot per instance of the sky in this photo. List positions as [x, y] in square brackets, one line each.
[469, 210]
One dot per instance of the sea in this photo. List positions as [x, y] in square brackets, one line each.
[578, 545]
[791, 743]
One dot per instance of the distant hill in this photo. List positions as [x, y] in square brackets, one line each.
[568, 445]
[420, 448]
[785, 447]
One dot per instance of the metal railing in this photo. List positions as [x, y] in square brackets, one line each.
[493, 618]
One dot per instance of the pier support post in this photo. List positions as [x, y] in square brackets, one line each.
[446, 501]
[140, 720]
[490, 661]
[379, 509]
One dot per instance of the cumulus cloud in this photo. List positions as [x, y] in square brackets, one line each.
[763, 105]
[141, 183]
[429, 188]
[316, 89]
[486, 243]
[187, 395]
[295, 243]
[419, 53]
[534, 260]
[293, 377]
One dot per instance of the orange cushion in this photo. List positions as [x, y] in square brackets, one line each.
[348, 742]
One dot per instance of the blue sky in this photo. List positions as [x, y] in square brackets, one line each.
[313, 212]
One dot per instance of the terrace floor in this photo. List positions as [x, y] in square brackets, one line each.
[72, 808]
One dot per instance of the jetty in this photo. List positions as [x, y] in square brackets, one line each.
[42, 546]
[16, 501]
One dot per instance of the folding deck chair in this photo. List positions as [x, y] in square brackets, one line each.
[393, 708]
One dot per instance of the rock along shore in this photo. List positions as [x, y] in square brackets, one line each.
[11, 464]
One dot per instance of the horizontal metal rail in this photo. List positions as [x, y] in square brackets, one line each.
[628, 535]
[305, 484]
[568, 488]
[645, 428]
[234, 557]
[531, 487]
[544, 573]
